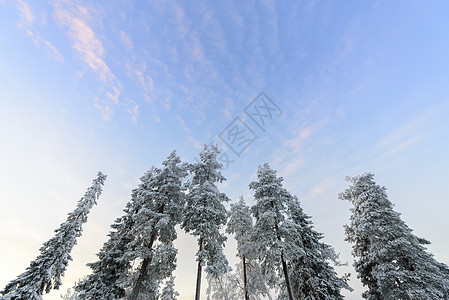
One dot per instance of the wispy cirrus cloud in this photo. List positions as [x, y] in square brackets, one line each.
[192, 141]
[403, 145]
[133, 111]
[412, 131]
[50, 50]
[89, 49]
[26, 14]
[126, 41]
[105, 110]
[27, 20]
[290, 158]
[84, 41]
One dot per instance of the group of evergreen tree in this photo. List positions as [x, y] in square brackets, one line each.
[278, 248]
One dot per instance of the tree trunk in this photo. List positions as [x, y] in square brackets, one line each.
[284, 263]
[142, 272]
[244, 279]
[287, 277]
[198, 275]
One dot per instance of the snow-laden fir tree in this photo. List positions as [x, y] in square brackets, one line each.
[104, 283]
[240, 224]
[389, 259]
[270, 210]
[44, 273]
[205, 214]
[144, 235]
[311, 275]
[154, 229]
[169, 292]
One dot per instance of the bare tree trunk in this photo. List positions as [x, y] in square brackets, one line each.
[287, 277]
[245, 287]
[198, 275]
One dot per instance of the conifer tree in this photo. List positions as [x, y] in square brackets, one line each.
[311, 275]
[110, 271]
[240, 224]
[205, 214]
[154, 229]
[104, 283]
[389, 259]
[44, 273]
[269, 211]
[145, 234]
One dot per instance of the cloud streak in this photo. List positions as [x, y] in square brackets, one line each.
[84, 41]
[27, 19]
[26, 14]
[407, 134]
[90, 50]
[134, 111]
[126, 41]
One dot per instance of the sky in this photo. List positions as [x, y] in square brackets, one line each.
[320, 89]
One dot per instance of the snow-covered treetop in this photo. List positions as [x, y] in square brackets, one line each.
[156, 205]
[269, 194]
[208, 169]
[364, 188]
[373, 215]
[204, 208]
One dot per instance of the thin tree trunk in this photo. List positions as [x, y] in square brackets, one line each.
[198, 275]
[287, 277]
[284, 263]
[143, 268]
[244, 278]
[142, 272]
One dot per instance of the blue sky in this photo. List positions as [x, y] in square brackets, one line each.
[90, 85]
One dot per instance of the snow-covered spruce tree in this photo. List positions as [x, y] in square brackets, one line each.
[144, 235]
[240, 224]
[154, 229]
[104, 281]
[44, 273]
[269, 211]
[389, 259]
[205, 214]
[311, 275]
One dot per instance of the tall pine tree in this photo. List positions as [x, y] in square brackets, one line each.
[154, 229]
[105, 281]
[110, 271]
[44, 273]
[269, 234]
[144, 235]
[311, 275]
[389, 259]
[205, 214]
[240, 224]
